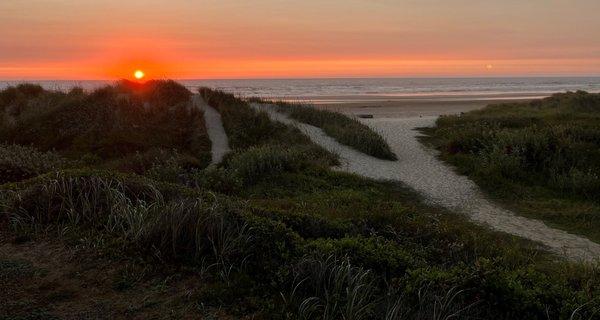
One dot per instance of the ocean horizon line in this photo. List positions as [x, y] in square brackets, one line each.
[316, 78]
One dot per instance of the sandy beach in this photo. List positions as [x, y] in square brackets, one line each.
[411, 107]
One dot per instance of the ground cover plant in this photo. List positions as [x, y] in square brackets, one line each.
[344, 129]
[270, 233]
[542, 158]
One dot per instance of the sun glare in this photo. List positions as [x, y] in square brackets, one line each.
[139, 74]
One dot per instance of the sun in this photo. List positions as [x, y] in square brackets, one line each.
[139, 74]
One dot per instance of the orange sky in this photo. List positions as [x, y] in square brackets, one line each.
[90, 39]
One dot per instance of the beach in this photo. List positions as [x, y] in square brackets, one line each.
[419, 168]
[411, 107]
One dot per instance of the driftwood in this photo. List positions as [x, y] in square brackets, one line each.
[365, 116]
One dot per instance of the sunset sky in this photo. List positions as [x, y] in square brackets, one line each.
[106, 39]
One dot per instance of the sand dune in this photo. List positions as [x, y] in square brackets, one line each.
[419, 169]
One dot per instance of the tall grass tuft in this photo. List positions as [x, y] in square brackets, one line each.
[335, 288]
[198, 228]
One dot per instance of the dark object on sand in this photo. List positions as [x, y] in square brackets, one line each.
[365, 116]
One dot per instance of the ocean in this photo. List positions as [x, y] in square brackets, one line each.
[339, 90]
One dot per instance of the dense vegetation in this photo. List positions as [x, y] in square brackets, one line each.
[270, 233]
[541, 157]
[127, 126]
[345, 130]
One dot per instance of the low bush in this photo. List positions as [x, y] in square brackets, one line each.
[309, 226]
[160, 164]
[19, 163]
[215, 179]
[375, 253]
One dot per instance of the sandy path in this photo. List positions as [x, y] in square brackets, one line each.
[214, 127]
[419, 168]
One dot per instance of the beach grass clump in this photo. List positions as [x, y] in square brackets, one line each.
[542, 156]
[332, 288]
[344, 129]
[21, 162]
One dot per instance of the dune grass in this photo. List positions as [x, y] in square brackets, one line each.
[248, 128]
[109, 122]
[273, 233]
[106, 125]
[542, 158]
[342, 128]
[305, 257]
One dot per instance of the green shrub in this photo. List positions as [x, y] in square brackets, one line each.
[160, 164]
[373, 253]
[215, 179]
[309, 226]
[19, 163]
[491, 287]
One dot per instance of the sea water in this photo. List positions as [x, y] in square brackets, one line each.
[323, 90]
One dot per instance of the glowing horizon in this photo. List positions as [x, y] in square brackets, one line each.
[67, 39]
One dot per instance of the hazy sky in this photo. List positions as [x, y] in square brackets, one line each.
[93, 39]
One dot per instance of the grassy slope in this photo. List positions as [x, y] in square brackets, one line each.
[541, 158]
[290, 240]
[345, 130]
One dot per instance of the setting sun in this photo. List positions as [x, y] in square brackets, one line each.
[139, 74]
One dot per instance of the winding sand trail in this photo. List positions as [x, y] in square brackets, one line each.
[214, 127]
[419, 169]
